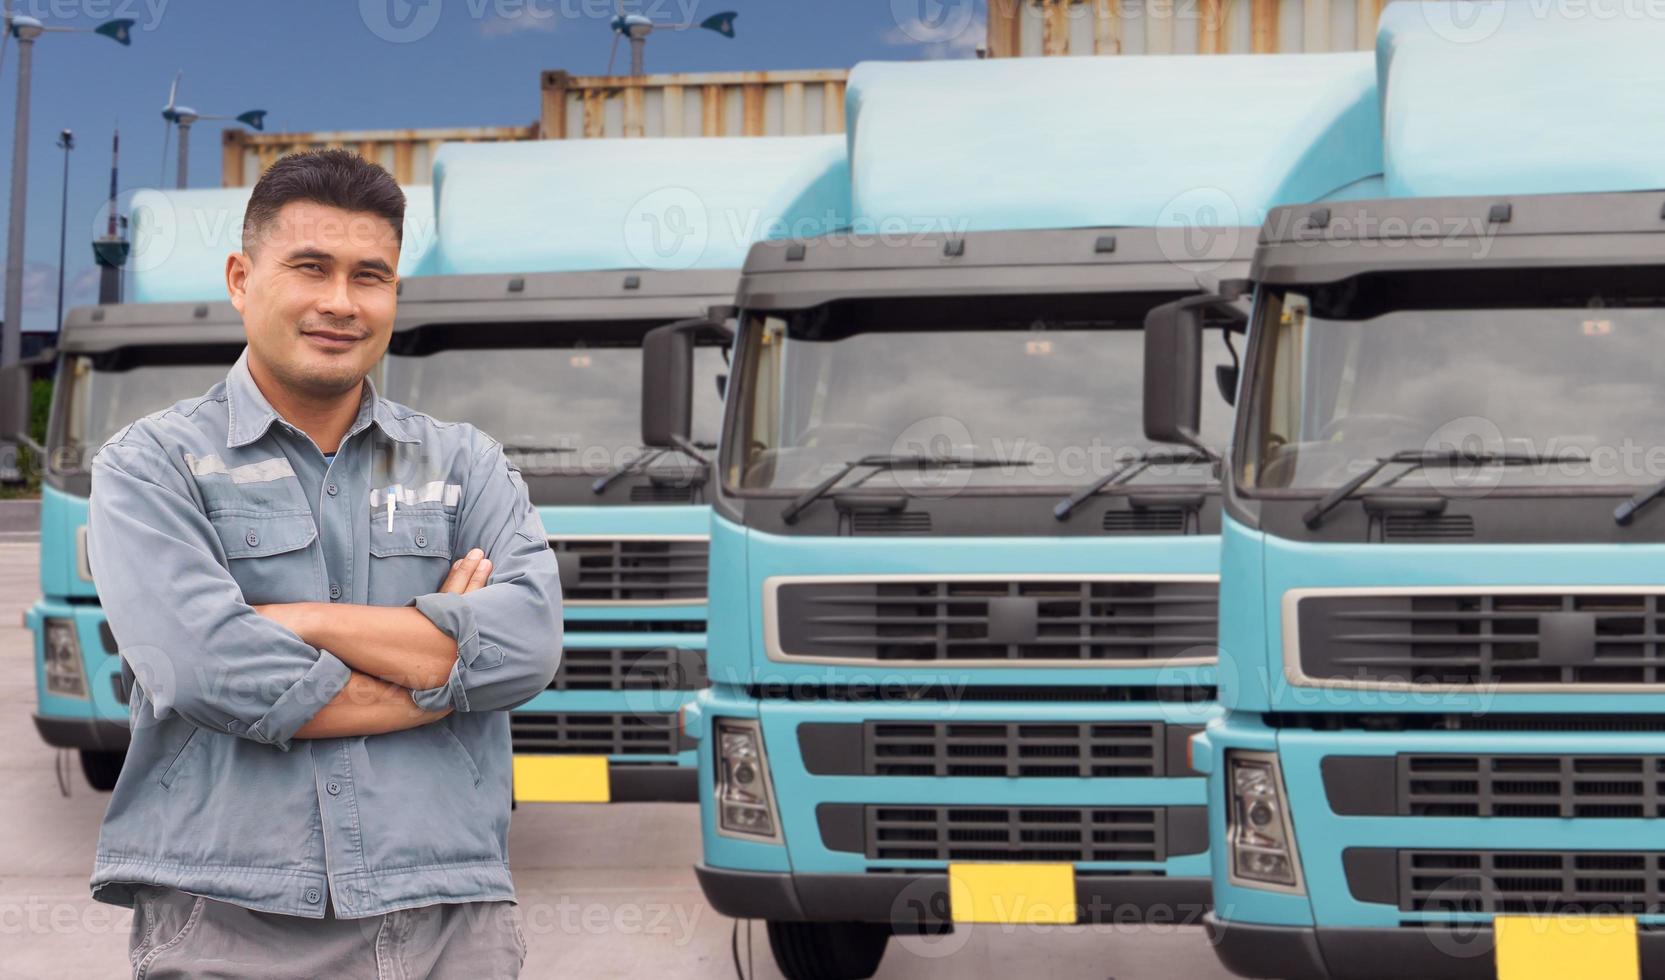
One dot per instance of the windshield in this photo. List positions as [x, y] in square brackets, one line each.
[96, 401]
[1345, 379]
[574, 409]
[1048, 386]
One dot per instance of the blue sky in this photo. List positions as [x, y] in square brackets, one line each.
[370, 64]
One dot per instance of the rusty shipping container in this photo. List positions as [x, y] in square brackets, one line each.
[748, 103]
[408, 154]
[1025, 28]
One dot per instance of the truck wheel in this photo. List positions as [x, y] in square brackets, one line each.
[101, 768]
[828, 950]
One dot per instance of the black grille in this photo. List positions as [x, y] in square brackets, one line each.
[1026, 749]
[1160, 520]
[890, 522]
[1624, 787]
[656, 493]
[996, 620]
[593, 733]
[1004, 833]
[1486, 639]
[1532, 882]
[617, 570]
[663, 669]
[1425, 527]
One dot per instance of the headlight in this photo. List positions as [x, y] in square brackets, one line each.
[1261, 841]
[65, 674]
[745, 801]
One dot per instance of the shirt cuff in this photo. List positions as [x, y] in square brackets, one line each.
[453, 616]
[304, 699]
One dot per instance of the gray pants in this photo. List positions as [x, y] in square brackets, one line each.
[178, 936]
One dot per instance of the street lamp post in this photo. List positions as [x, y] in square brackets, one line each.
[66, 142]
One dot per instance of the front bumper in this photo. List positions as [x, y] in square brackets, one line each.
[922, 899]
[95, 734]
[1338, 953]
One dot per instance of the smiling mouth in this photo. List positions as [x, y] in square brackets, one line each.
[329, 338]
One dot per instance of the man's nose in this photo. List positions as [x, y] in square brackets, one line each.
[337, 298]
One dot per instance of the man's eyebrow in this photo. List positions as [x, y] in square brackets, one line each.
[319, 255]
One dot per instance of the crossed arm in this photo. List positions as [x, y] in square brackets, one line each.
[392, 651]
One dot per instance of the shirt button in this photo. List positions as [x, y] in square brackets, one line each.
[330, 489]
[421, 540]
[333, 787]
[253, 537]
[335, 592]
[312, 896]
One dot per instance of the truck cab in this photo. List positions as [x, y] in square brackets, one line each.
[1440, 598]
[552, 264]
[963, 618]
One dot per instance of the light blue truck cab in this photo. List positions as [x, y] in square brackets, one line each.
[552, 261]
[963, 617]
[116, 363]
[1441, 608]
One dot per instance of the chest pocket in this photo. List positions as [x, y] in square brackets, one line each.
[413, 558]
[270, 554]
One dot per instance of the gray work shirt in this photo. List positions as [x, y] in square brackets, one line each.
[217, 504]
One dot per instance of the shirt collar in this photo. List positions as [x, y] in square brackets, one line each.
[251, 415]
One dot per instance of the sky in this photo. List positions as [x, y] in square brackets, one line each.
[367, 64]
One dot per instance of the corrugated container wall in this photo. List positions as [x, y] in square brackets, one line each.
[750, 103]
[408, 154]
[1030, 28]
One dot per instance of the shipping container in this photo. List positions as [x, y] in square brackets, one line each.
[748, 103]
[408, 154]
[1027, 28]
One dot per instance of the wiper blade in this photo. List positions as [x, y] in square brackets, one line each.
[1130, 468]
[1415, 458]
[879, 462]
[634, 465]
[1625, 512]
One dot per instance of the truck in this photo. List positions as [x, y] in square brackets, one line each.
[553, 263]
[1440, 600]
[963, 611]
[114, 363]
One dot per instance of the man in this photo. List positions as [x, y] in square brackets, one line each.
[319, 778]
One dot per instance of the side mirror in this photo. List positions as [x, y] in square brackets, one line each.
[668, 380]
[14, 403]
[1225, 378]
[1173, 371]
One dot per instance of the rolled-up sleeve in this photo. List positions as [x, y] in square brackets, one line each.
[196, 648]
[508, 634]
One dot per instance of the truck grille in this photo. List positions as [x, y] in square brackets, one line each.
[1002, 833]
[1086, 621]
[662, 669]
[603, 570]
[593, 733]
[1015, 749]
[1532, 882]
[1622, 787]
[1552, 638]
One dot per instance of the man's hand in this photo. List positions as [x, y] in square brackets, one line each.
[468, 573]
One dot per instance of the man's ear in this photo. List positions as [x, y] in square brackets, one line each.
[238, 266]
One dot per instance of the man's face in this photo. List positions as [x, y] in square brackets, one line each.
[317, 294]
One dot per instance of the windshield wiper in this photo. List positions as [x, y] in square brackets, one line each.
[1414, 458]
[1627, 510]
[1130, 468]
[634, 465]
[878, 462]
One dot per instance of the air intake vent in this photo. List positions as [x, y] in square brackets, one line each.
[655, 493]
[1163, 520]
[1426, 527]
[1524, 786]
[1017, 749]
[1504, 638]
[605, 570]
[662, 669]
[1532, 882]
[1087, 621]
[593, 733]
[1009, 833]
[890, 522]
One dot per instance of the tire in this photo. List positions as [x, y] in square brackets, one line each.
[101, 768]
[828, 950]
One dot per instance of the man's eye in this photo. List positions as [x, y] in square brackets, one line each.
[311, 267]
